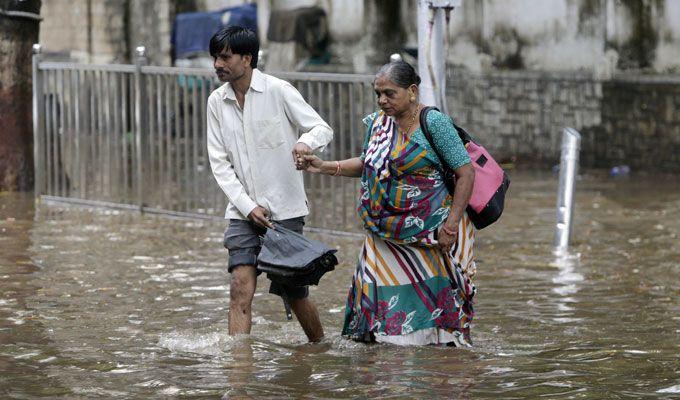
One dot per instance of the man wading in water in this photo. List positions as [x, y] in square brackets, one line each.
[253, 123]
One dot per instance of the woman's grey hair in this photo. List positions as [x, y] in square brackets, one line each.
[400, 73]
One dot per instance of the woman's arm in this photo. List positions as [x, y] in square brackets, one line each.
[349, 167]
[447, 143]
[465, 180]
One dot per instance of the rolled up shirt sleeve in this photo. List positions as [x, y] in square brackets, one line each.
[221, 166]
[316, 132]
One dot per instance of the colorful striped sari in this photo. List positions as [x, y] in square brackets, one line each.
[405, 290]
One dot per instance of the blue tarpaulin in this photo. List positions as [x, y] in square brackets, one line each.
[191, 32]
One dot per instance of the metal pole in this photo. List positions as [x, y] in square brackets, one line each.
[431, 59]
[37, 134]
[571, 143]
[140, 103]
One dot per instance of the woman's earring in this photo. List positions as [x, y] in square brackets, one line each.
[413, 98]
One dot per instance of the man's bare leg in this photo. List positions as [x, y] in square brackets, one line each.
[241, 291]
[307, 314]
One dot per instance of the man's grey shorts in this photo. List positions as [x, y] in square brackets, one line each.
[243, 240]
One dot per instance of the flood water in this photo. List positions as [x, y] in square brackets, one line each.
[112, 304]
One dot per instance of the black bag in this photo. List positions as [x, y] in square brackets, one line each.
[491, 182]
[291, 259]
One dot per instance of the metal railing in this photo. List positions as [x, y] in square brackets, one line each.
[134, 135]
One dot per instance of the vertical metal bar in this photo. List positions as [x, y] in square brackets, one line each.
[151, 144]
[99, 123]
[59, 90]
[78, 134]
[61, 132]
[140, 102]
[68, 130]
[54, 134]
[92, 135]
[203, 98]
[332, 99]
[159, 126]
[186, 139]
[178, 148]
[115, 138]
[313, 183]
[168, 139]
[194, 142]
[49, 102]
[106, 134]
[48, 131]
[38, 160]
[571, 143]
[341, 138]
[125, 128]
[354, 120]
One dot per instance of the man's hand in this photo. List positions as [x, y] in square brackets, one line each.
[299, 152]
[260, 216]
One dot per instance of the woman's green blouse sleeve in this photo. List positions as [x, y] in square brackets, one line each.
[446, 140]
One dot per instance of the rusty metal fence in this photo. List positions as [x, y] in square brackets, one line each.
[133, 136]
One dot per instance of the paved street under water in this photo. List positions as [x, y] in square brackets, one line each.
[98, 303]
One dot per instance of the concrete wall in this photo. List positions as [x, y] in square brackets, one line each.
[85, 30]
[629, 120]
[106, 31]
[598, 36]
[150, 25]
[594, 35]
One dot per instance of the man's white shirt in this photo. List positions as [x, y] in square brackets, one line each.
[250, 150]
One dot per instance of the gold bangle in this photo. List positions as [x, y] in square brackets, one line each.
[337, 168]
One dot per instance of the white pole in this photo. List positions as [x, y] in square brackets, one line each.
[431, 55]
[430, 45]
[571, 144]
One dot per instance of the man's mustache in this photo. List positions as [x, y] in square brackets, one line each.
[218, 70]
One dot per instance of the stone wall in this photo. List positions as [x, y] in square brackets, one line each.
[631, 120]
[640, 125]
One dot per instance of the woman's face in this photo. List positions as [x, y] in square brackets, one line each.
[392, 99]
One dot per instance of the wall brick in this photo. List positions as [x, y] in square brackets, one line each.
[632, 120]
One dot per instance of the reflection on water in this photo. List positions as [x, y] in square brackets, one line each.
[101, 303]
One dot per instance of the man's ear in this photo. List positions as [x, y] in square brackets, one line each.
[248, 59]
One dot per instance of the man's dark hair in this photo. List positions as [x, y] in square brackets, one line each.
[237, 39]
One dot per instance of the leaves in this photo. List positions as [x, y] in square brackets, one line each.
[411, 220]
[393, 302]
[409, 317]
[436, 313]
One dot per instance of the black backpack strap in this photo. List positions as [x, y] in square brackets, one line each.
[428, 135]
[448, 174]
[462, 133]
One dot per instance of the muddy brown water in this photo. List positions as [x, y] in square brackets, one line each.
[98, 303]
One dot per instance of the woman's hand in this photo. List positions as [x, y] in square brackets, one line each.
[447, 235]
[314, 164]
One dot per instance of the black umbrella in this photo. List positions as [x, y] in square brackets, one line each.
[291, 259]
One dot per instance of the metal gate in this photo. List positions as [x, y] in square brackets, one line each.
[133, 136]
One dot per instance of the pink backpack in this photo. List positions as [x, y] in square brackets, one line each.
[491, 182]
